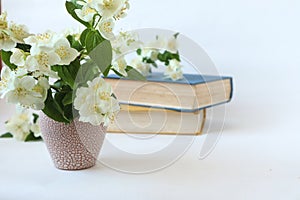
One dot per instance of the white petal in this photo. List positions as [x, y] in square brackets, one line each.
[38, 105]
[95, 101]
[17, 57]
[85, 13]
[26, 82]
[109, 8]
[62, 42]
[35, 128]
[42, 40]
[20, 71]
[142, 67]
[81, 96]
[19, 32]
[31, 64]
[54, 59]
[106, 27]
[66, 54]
[6, 43]
[172, 45]
[11, 97]
[7, 81]
[120, 65]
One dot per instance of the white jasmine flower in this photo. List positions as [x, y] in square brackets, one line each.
[109, 8]
[18, 57]
[142, 67]
[174, 65]
[75, 32]
[113, 108]
[90, 3]
[42, 88]
[18, 32]
[42, 61]
[106, 27]
[3, 21]
[24, 94]
[174, 70]
[6, 42]
[158, 43]
[92, 111]
[35, 128]
[86, 13]
[172, 45]
[100, 87]
[95, 102]
[6, 82]
[82, 95]
[49, 49]
[149, 53]
[41, 40]
[124, 42]
[21, 71]
[176, 75]
[20, 124]
[120, 65]
[122, 13]
[63, 49]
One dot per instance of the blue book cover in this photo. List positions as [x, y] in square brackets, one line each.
[191, 79]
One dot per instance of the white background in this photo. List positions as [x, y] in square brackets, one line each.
[258, 156]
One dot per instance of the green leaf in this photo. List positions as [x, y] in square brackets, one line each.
[73, 68]
[176, 35]
[6, 135]
[64, 74]
[154, 64]
[133, 74]
[58, 97]
[53, 110]
[114, 96]
[5, 55]
[139, 52]
[167, 56]
[87, 72]
[32, 138]
[71, 7]
[74, 43]
[68, 73]
[118, 73]
[61, 98]
[93, 40]
[24, 47]
[69, 112]
[35, 117]
[69, 78]
[68, 99]
[83, 36]
[150, 61]
[102, 55]
[106, 72]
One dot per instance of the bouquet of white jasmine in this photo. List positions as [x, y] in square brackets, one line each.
[161, 51]
[60, 74]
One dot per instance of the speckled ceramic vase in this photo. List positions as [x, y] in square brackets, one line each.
[74, 146]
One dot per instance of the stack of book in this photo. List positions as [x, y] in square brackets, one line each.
[164, 106]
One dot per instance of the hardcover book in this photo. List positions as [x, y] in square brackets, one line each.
[145, 120]
[193, 93]
[163, 106]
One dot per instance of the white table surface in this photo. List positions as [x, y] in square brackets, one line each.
[257, 156]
